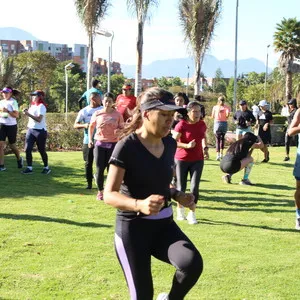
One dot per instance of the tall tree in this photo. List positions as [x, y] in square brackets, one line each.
[91, 12]
[287, 41]
[141, 8]
[198, 19]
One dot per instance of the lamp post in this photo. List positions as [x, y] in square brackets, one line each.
[235, 56]
[109, 34]
[266, 76]
[187, 81]
[69, 66]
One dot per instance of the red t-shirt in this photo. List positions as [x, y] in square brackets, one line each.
[188, 133]
[124, 102]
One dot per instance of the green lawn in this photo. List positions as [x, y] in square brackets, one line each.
[56, 240]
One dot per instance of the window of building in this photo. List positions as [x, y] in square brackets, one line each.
[82, 53]
[41, 47]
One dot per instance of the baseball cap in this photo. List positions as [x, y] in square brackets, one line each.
[243, 102]
[159, 104]
[38, 93]
[6, 90]
[263, 103]
[126, 87]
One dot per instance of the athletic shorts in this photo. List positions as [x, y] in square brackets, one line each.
[220, 127]
[242, 131]
[9, 132]
[296, 171]
[229, 164]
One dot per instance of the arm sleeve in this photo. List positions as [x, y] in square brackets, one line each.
[119, 155]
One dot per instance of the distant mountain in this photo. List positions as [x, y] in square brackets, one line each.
[15, 34]
[178, 67]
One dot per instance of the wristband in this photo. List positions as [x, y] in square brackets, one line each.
[205, 148]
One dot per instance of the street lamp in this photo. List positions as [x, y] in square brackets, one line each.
[109, 34]
[235, 56]
[187, 81]
[69, 66]
[266, 76]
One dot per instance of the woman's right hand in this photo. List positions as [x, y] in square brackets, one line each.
[151, 205]
[191, 144]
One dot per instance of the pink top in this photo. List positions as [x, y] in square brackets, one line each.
[107, 125]
[220, 113]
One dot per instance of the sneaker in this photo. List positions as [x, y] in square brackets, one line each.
[226, 178]
[180, 214]
[218, 157]
[162, 296]
[20, 162]
[191, 218]
[2, 169]
[246, 182]
[27, 171]
[46, 171]
[99, 196]
[286, 159]
[89, 186]
[297, 227]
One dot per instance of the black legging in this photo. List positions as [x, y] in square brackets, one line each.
[102, 156]
[138, 239]
[88, 157]
[220, 140]
[288, 140]
[183, 168]
[39, 136]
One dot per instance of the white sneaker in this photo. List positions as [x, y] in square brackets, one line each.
[191, 217]
[180, 214]
[297, 227]
[162, 296]
[218, 157]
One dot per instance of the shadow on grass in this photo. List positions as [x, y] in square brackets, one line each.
[54, 220]
[63, 179]
[220, 223]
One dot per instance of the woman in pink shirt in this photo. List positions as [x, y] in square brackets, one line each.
[107, 123]
[220, 114]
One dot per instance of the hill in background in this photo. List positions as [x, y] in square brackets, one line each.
[12, 33]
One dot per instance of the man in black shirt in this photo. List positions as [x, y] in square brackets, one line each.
[244, 119]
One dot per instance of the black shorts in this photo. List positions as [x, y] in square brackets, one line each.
[9, 132]
[229, 164]
[265, 135]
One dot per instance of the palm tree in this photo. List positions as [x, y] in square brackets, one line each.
[141, 8]
[198, 19]
[91, 12]
[287, 41]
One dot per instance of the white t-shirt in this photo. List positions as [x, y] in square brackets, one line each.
[10, 105]
[37, 110]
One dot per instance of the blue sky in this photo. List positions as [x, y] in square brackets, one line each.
[57, 21]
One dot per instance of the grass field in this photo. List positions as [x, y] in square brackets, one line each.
[56, 240]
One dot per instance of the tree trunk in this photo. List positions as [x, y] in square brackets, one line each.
[197, 84]
[89, 74]
[139, 59]
[288, 83]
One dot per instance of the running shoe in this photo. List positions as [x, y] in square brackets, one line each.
[162, 296]
[226, 178]
[246, 182]
[99, 196]
[27, 171]
[191, 218]
[46, 171]
[286, 159]
[89, 186]
[180, 214]
[2, 169]
[20, 162]
[297, 227]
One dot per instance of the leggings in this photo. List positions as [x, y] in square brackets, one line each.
[38, 136]
[183, 168]
[220, 129]
[102, 156]
[136, 240]
[88, 157]
[288, 140]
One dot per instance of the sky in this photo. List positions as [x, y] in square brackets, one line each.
[56, 21]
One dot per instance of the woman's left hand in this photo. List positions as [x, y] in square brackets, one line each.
[265, 127]
[206, 154]
[187, 200]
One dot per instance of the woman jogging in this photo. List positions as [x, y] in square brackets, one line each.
[107, 123]
[220, 114]
[138, 185]
[37, 131]
[190, 135]
[238, 157]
